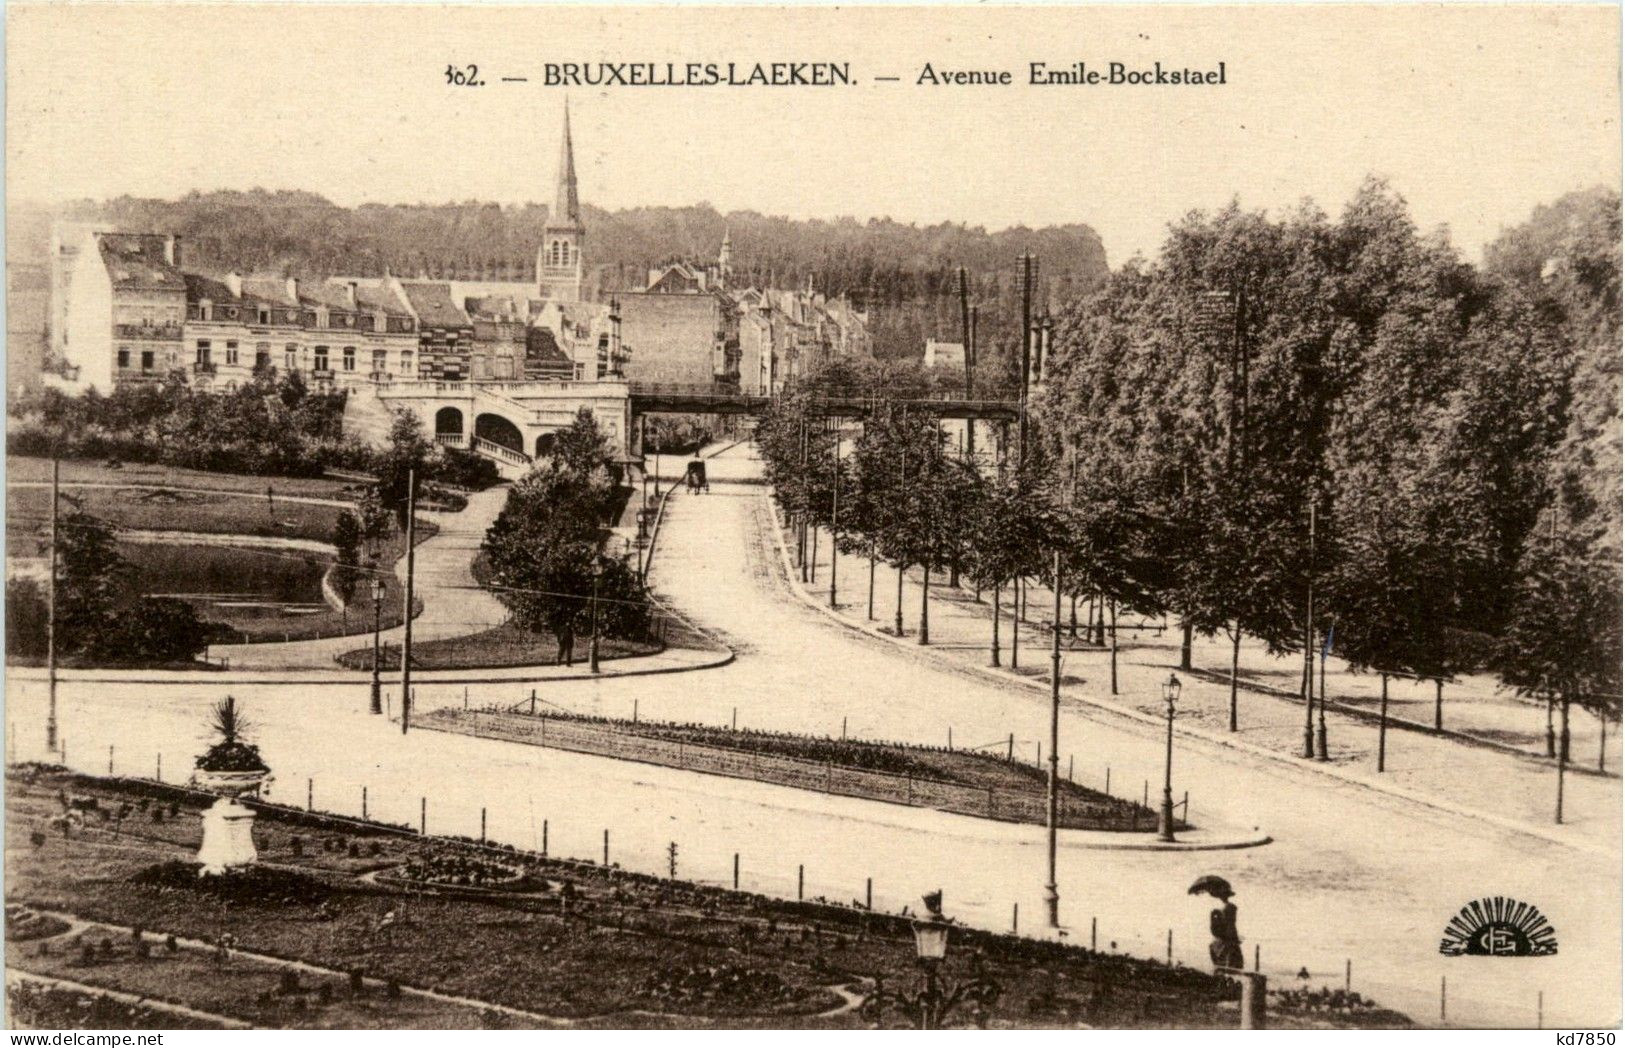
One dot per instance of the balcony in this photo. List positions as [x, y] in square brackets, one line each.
[169, 332]
[380, 378]
[321, 374]
[450, 440]
[204, 367]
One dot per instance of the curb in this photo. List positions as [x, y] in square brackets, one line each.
[361, 677]
[1398, 792]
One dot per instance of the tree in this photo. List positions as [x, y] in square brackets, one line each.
[26, 616]
[156, 629]
[1564, 638]
[407, 453]
[347, 541]
[91, 582]
[1010, 535]
[543, 548]
[581, 447]
[1108, 555]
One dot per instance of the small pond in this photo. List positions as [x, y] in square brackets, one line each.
[227, 581]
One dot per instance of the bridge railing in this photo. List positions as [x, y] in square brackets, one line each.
[986, 399]
[501, 451]
[503, 387]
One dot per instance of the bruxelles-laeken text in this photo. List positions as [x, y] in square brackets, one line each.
[838, 74]
[697, 74]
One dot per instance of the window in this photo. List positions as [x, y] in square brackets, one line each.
[231, 352]
[146, 360]
[265, 316]
[380, 359]
[203, 351]
[203, 310]
[349, 358]
[406, 362]
[290, 356]
[320, 363]
[123, 357]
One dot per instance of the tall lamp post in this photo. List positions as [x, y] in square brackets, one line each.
[1165, 819]
[377, 629]
[929, 1006]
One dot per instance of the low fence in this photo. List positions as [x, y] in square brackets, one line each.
[603, 740]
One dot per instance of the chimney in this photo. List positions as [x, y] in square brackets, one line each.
[293, 289]
[172, 249]
[234, 280]
[349, 293]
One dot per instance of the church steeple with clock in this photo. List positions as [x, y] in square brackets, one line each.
[559, 268]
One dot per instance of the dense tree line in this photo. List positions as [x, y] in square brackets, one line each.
[1315, 432]
[546, 547]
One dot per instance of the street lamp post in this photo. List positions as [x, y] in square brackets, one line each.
[377, 628]
[929, 1006]
[1165, 819]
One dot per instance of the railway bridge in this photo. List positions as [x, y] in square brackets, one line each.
[514, 422]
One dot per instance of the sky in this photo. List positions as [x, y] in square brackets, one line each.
[1475, 113]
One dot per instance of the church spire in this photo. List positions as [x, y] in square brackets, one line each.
[566, 213]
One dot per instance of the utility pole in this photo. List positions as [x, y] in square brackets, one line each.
[1052, 896]
[50, 618]
[1309, 645]
[643, 506]
[1320, 728]
[411, 566]
[970, 371]
[1026, 352]
[377, 694]
[902, 479]
[970, 361]
[801, 528]
[834, 515]
[592, 649]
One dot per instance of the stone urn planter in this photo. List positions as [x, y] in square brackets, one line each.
[233, 769]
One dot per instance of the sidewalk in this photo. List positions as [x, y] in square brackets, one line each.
[1495, 787]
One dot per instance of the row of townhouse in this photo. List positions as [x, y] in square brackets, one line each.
[134, 315]
[782, 334]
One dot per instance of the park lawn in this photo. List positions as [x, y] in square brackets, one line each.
[177, 509]
[30, 468]
[692, 955]
[505, 645]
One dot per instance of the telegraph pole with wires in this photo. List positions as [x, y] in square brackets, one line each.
[834, 515]
[1309, 644]
[50, 618]
[411, 558]
[1028, 265]
[966, 337]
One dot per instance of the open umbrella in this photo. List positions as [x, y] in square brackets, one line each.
[1217, 887]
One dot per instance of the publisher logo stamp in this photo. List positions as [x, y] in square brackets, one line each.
[1498, 927]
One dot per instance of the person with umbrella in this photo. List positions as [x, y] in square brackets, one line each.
[1225, 949]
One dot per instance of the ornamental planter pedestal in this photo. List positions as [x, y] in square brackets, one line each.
[228, 827]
